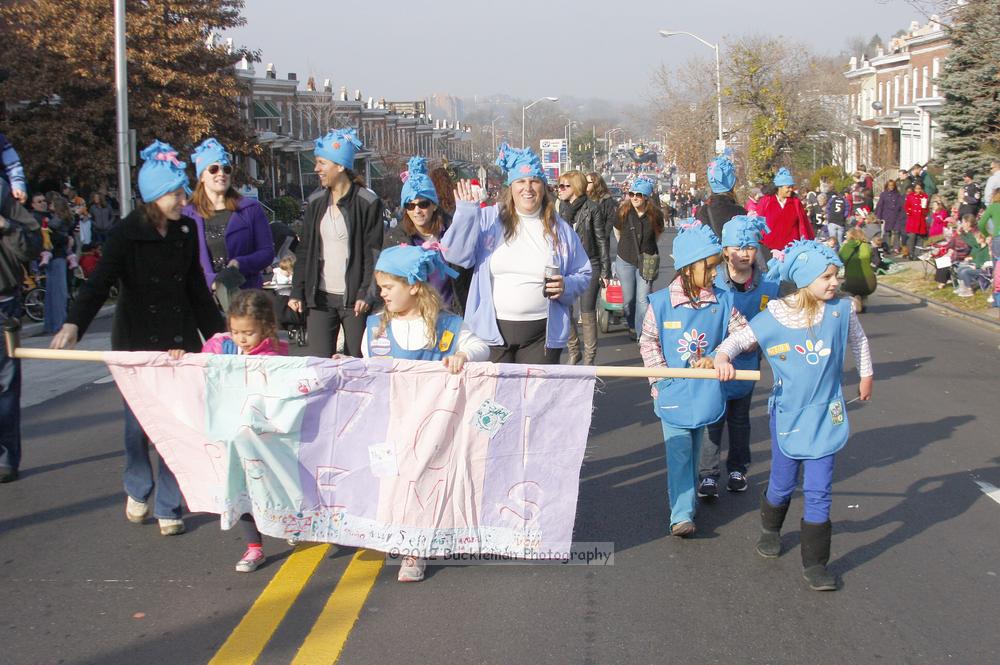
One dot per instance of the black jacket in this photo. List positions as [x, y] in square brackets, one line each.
[723, 207]
[362, 211]
[588, 221]
[637, 236]
[163, 300]
[20, 240]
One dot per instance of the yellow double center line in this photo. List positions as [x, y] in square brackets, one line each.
[329, 634]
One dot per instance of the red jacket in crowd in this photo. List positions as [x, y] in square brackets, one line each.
[916, 213]
[787, 223]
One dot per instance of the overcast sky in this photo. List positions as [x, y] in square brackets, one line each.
[529, 48]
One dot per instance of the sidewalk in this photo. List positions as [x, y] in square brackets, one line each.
[918, 282]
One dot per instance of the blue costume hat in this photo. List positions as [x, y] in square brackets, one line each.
[642, 185]
[721, 174]
[418, 184]
[207, 153]
[161, 172]
[783, 178]
[695, 241]
[519, 163]
[414, 263]
[801, 262]
[744, 231]
[338, 146]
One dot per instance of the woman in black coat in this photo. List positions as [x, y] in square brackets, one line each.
[163, 304]
[587, 220]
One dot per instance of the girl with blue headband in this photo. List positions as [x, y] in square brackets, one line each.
[682, 326]
[414, 325]
[804, 337]
[751, 290]
[163, 304]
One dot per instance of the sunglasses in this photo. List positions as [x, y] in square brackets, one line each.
[563, 185]
[214, 168]
[637, 194]
[423, 204]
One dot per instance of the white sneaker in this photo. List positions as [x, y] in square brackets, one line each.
[252, 559]
[171, 527]
[412, 569]
[136, 511]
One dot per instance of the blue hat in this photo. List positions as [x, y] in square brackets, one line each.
[783, 178]
[744, 231]
[209, 152]
[414, 263]
[642, 185]
[695, 241]
[338, 146]
[801, 262]
[721, 174]
[161, 172]
[418, 184]
[519, 163]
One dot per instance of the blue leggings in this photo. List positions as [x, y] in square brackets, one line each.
[817, 481]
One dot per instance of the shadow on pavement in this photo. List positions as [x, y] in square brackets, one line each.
[33, 471]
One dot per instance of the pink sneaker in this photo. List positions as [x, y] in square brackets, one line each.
[252, 559]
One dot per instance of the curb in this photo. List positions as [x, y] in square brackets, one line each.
[971, 317]
[35, 329]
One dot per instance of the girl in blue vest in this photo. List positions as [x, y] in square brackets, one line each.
[751, 290]
[415, 326]
[804, 336]
[683, 325]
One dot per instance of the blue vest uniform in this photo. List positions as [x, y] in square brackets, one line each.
[807, 402]
[687, 334]
[448, 327]
[750, 303]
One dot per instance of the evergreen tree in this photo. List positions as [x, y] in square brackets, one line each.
[60, 93]
[970, 83]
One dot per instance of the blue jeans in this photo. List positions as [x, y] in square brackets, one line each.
[817, 482]
[10, 395]
[56, 295]
[683, 451]
[635, 292]
[835, 231]
[139, 472]
[738, 419]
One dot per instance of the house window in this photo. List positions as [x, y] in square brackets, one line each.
[936, 71]
[906, 90]
[924, 83]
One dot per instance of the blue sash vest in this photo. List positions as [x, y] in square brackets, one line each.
[448, 327]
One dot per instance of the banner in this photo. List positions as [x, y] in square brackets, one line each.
[391, 455]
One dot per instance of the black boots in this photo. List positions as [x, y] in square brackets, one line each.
[771, 519]
[588, 325]
[816, 554]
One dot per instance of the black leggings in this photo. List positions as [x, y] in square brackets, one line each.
[249, 527]
[588, 299]
[323, 323]
[524, 343]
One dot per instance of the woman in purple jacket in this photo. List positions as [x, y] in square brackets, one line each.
[889, 211]
[234, 230]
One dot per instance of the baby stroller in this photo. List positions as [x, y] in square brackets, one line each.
[289, 320]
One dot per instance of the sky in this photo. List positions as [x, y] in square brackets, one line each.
[582, 48]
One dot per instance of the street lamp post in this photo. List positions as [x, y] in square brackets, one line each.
[524, 110]
[493, 129]
[719, 145]
[568, 133]
[121, 112]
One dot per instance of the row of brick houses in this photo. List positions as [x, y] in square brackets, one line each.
[287, 118]
[894, 99]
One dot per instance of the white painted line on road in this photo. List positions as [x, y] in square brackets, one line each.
[989, 490]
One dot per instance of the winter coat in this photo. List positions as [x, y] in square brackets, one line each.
[163, 302]
[362, 211]
[586, 219]
[916, 213]
[787, 223]
[223, 344]
[720, 209]
[20, 241]
[248, 241]
[859, 278]
[889, 210]
[636, 235]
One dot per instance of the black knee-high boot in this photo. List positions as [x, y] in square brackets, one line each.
[816, 554]
[771, 519]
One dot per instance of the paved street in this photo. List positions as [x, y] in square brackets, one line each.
[915, 541]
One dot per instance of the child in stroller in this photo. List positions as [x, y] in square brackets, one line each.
[290, 321]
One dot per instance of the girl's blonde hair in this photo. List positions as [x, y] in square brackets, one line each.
[255, 304]
[804, 301]
[429, 304]
[287, 263]
[856, 234]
